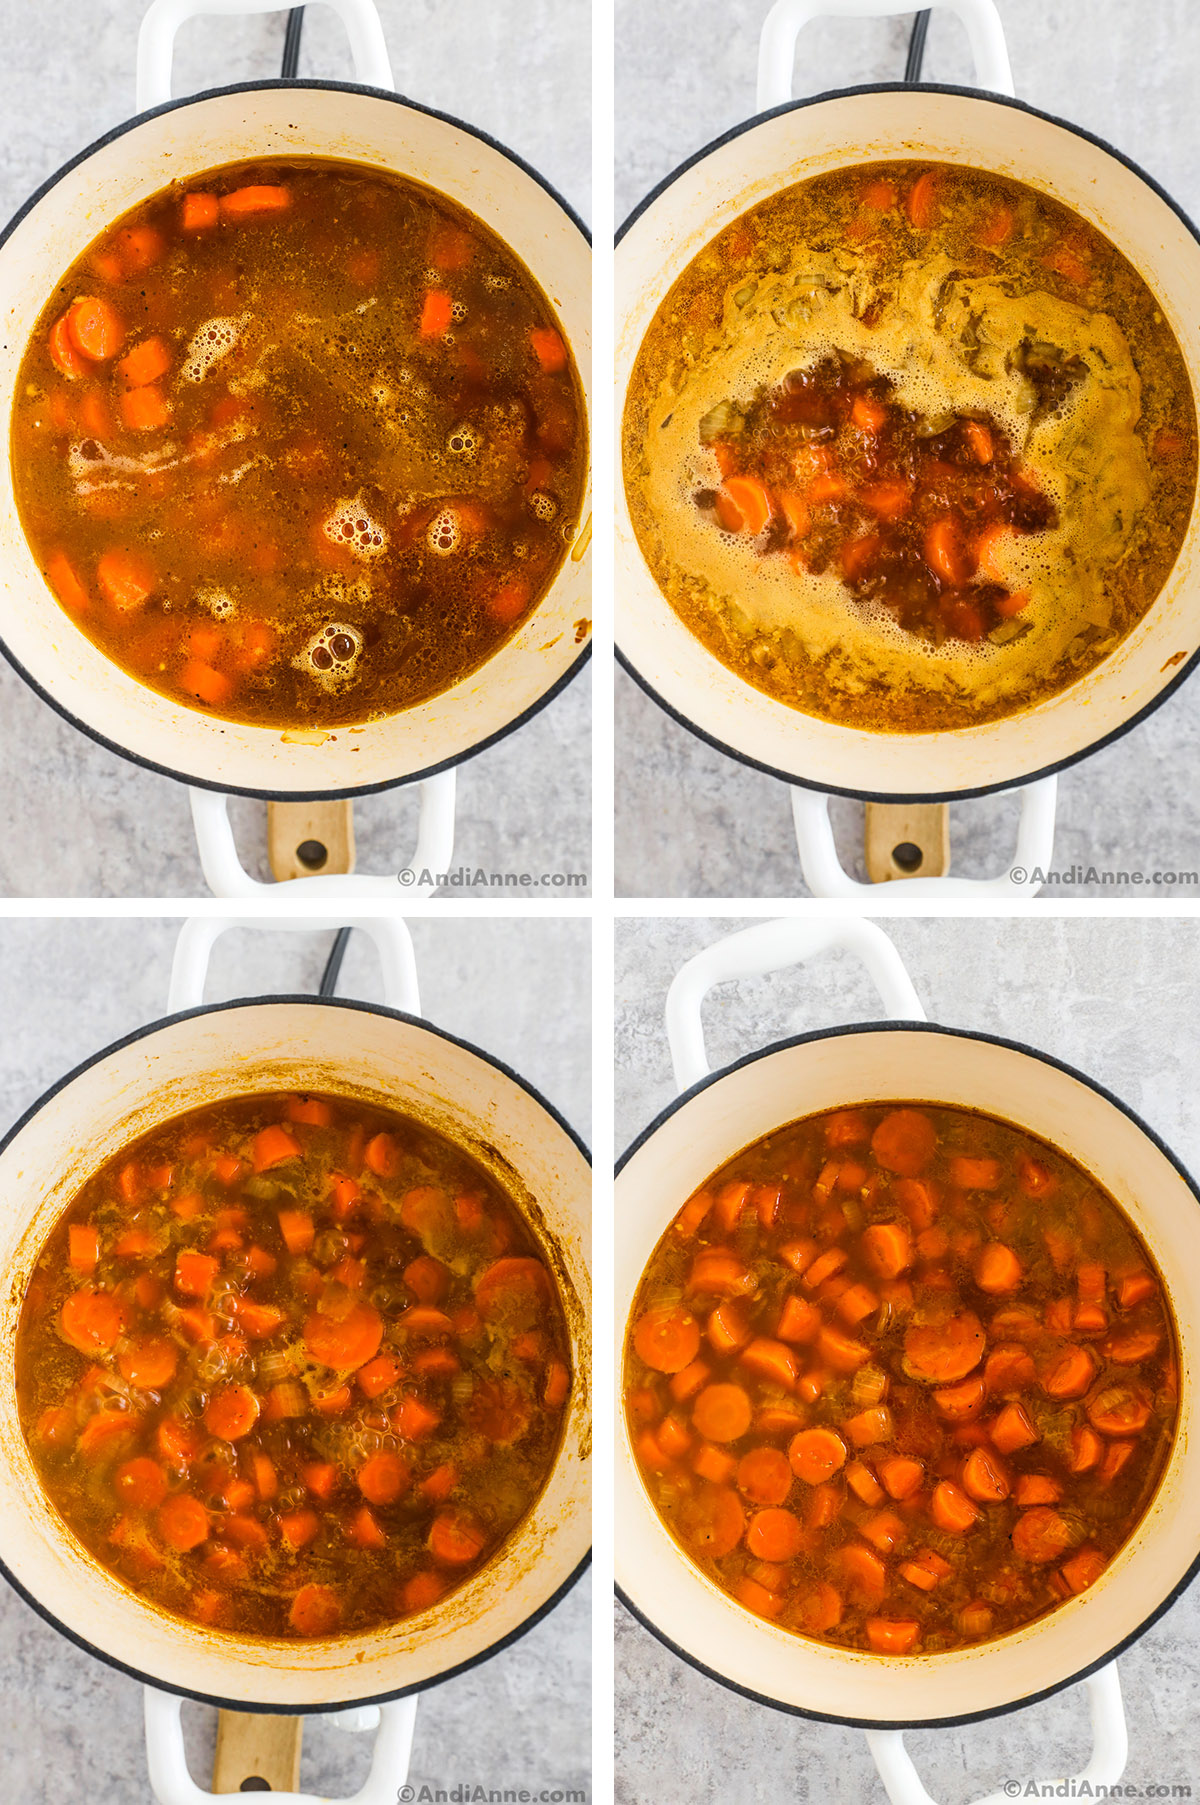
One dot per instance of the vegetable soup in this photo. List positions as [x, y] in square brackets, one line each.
[910, 446]
[901, 1378]
[292, 1366]
[300, 444]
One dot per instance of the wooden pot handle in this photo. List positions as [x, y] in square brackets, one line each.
[310, 839]
[250, 1747]
[919, 832]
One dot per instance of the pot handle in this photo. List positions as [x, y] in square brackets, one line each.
[1110, 1751]
[156, 41]
[1034, 851]
[172, 1784]
[200, 933]
[787, 18]
[226, 876]
[769, 946]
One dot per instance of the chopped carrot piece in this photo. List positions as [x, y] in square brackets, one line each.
[65, 354]
[195, 1272]
[952, 1510]
[95, 327]
[256, 199]
[984, 1476]
[316, 1611]
[722, 1412]
[816, 1455]
[145, 409]
[771, 1360]
[743, 505]
[667, 1338]
[126, 579]
[997, 1269]
[1041, 1535]
[920, 203]
[199, 212]
[273, 1145]
[1013, 1429]
[148, 360]
[1068, 1373]
[548, 348]
[714, 1464]
[182, 1522]
[905, 1142]
[774, 1535]
[437, 311]
[943, 1352]
[892, 1635]
[83, 1246]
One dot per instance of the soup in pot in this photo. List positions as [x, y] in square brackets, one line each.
[300, 444]
[910, 446]
[292, 1366]
[901, 1378]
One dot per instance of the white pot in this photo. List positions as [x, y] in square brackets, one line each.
[723, 1113]
[135, 161]
[834, 131]
[386, 1058]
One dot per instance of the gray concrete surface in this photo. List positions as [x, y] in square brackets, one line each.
[70, 1727]
[74, 819]
[1063, 986]
[692, 822]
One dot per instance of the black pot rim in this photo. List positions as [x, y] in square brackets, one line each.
[901, 796]
[1110, 1097]
[243, 1704]
[349, 791]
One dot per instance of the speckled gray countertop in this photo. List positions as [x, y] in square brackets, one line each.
[692, 822]
[75, 820]
[70, 1727]
[1065, 987]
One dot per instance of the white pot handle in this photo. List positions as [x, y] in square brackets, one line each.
[787, 18]
[226, 876]
[1110, 1751]
[172, 1784]
[200, 933]
[1034, 851]
[156, 40]
[769, 946]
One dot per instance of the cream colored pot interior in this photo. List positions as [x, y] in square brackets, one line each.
[808, 141]
[791, 1082]
[271, 122]
[263, 1046]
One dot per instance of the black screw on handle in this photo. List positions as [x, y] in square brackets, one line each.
[312, 853]
[255, 1783]
[908, 856]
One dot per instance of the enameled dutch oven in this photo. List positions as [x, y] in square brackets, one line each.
[713, 1119]
[386, 1056]
[796, 140]
[173, 140]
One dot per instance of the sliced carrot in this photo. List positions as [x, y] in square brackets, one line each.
[714, 1464]
[258, 1321]
[95, 328]
[952, 1510]
[869, 415]
[1064, 260]
[771, 1360]
[901, 1476]
[320, 1478]
[985, 1477]
[942, 1352]
[1036, 1488]
[722, 1412]
[1041, 1535]
[1120, 1410]
[195, 1272]
[199, 212]
[818, 1609]
[272, 1145]
[947, 555]
[961, 1403]
[904, 1142]
[1084, 1569]
[667, 1338]
[920, 203]
[149, 1364]
[548, 348]
[83, 1246]
[344, 1343]
[182, 1522]
[140, 1483]
[774, 1535]
[728, 1327]
[299, 1527]
[231, 1412]
[1068, 1373]
[686, 1383]
[454, 1541]
[258, 198]
[799, 1321]
[764, 1476]
[891, 500]
[719, 1273]
[822, 1268]
[1013, 1429]
[384, 1477]
[892, 1635]
[90, 1320]
[747, 505]
[145, 409]
[840, 1351]
[315, 1611]
[856, 1303]
[126, 579]
[997, 1269]
[870, 1426]
[382, 1155]
[864, 1574]
[65, 354]
[998, 227]
[437, 311]
[816, 1455]
[148, 360]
